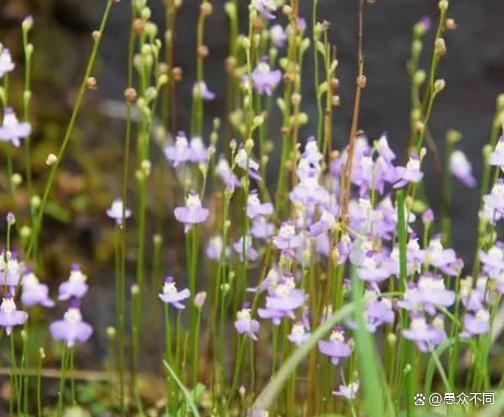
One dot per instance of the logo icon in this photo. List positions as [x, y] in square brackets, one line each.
[419, 399]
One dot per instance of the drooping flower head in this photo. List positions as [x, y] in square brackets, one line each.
[172, 296]
[115, 211]
[10, 316]
[12, 130]
[201, 89]
[72, 328]
[75, 286]
[461, 168]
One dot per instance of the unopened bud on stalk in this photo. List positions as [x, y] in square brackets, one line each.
[419, 77]
[335, 83]
[135, 290]
[416, 47]
[146, 13]
[157, 239]
[419, 126]
[422, 153]
[439, 85]
[96, 35]
[249, 145]
[241, 391]
[146, 166]
[296, 99]
[91, 83]
[453, 136]
[336, 101]
[25, 232]
[42, 353]
[440, 46]
[443, 5]
[230, 9]
[287, 10]
[407, 369]
[51, 159]
[111, 332]
[35, 202]
[199, 299]
[203, 51]
[11, 219]
[206, 9]
[27, 23]
[16, 179]
[500, 102]
[391, 339]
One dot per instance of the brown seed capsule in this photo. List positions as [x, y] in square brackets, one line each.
[288, 77]
[336, 101]
[361, 81]
[419, 126]
[230, 64]
[284, 130]
[202, 51]
[206, 9]
[91, 83]
[162, 68]
[287, 10]
[116, 1]
[177, 73]
[257, 25]
[335, 83]
[138, 26]
[130, 95]
[450, 24]
[96, 35]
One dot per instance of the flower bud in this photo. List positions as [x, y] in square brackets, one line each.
[439, 85]
[51, 159]
[443, 5]
[111, 332]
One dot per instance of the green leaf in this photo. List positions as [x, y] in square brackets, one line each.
[270, 392]
[188, 397]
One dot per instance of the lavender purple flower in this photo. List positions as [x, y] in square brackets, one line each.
[172, 296]
[12, 130]
[72, 328]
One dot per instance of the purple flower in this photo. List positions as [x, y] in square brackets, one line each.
[265, 8]
[426, 336]
[497, 156]
[225, 172]
[192, 213]
[286, 237]
[461, 168]
[179, 152]
[255, 208]
[215, 247]
[10, 269]
[383, 149]
[201, 89]
[373, 267]
[476, 324]
[115, 211]
[243, 160]
[378, 312]
[252, 253]
[171, 295]
[299, 333]
[72, 328]
[35, 293]
[10, 316]
[311, 152]
[199, 299]
[11, 130]
[75, 287]
[493, 261]
[348, 391]
[244, 323]
[6, 64]
[261, 228]
[265, 80]
[336, 347]
[198, 153]
[282, 299]
[495, 200]
[278, 36]
[410, 173]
